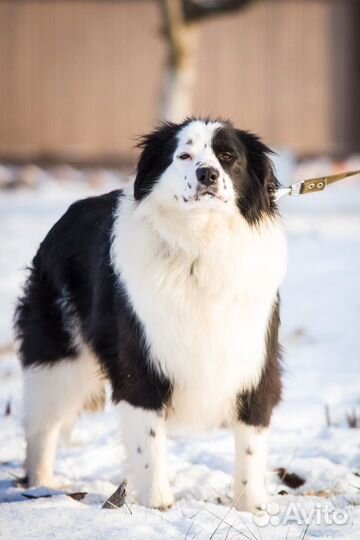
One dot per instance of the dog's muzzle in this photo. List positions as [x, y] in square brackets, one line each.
[208, 183]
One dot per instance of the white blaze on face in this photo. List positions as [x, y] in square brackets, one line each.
[179, 185]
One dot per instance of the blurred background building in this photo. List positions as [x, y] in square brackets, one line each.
[80, 79]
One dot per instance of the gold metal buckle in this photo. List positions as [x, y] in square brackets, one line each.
[312, 185]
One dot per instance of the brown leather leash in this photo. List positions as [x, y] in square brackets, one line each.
[312, 185]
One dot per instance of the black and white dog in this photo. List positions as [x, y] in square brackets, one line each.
[168, 290]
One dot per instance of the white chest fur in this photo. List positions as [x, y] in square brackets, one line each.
[203, 288]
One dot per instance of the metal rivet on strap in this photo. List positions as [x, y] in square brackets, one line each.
[311, 186]
[320, 185]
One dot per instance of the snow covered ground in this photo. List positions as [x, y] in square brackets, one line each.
[321, 337]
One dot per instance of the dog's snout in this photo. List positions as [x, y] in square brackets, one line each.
[207, 175]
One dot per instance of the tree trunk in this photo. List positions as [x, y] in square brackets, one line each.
[180, 71]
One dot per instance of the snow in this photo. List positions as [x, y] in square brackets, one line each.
[321, 338]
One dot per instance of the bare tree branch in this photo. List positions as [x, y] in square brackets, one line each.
[196, 10]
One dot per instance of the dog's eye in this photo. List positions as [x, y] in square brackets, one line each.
[184, 155]
[225, 156]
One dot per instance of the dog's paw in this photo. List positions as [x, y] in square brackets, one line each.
[41, 480]
[251, 501]
[160, 498]
[164, 501]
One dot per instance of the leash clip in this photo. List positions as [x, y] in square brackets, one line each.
[301, 188]
[297, 188]
[312, 185]
[283, 190]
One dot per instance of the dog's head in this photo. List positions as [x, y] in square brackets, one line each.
[204, 164]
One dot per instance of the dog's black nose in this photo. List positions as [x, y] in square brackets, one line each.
[207, 175]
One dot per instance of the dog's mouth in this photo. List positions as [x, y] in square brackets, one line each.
[205, 195]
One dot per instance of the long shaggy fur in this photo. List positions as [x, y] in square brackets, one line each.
[169, 291]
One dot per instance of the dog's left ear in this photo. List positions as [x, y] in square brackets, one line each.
[258, 197]
[157, 150]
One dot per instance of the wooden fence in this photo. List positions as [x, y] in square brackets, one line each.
[80, 79]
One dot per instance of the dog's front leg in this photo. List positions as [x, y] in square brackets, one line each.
[251, 447]
[144, 438]
[254, 410]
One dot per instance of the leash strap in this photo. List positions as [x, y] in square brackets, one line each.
[312, 185]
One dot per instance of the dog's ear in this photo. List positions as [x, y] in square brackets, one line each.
[258, 196]
[157, 148]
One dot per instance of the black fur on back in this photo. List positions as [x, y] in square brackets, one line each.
[72, 289]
